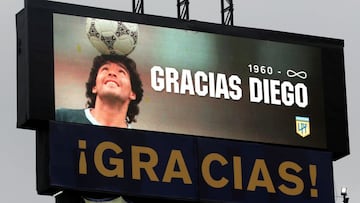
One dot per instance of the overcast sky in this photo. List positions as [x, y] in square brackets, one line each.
[326, 18]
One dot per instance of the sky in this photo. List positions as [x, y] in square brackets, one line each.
[325, 18]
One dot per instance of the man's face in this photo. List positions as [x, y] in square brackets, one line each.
[113, 83]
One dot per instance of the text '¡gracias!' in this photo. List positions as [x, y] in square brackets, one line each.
[222, 86]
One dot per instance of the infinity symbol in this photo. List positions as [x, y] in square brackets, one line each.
[300, 74]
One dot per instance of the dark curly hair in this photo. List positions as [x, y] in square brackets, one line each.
[136, 84]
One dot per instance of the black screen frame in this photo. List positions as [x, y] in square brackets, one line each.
[35, 67]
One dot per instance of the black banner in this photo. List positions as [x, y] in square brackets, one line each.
[152, 164]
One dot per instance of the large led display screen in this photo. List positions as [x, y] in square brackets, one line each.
[186, 109]
[199, 83]
[182, 77]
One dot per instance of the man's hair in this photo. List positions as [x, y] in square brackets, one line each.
[136, 84]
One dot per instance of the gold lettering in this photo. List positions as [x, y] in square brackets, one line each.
[148, 166]
[118, 171]
[238, 182]
[82, 159]
[183, 173]
[299, 184]
[260, 167]
[205, 169]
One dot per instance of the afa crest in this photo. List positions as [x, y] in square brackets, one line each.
[302, 126]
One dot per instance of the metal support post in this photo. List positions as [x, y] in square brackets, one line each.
[227, 12]
[138, 6]
[183, 9]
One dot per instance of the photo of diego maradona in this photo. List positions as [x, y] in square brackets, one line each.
[113, 91]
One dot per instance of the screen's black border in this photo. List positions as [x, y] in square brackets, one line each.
[35, 91]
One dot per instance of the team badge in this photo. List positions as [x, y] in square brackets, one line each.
[302, 126]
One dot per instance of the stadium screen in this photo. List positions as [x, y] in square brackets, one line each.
[198, 78]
